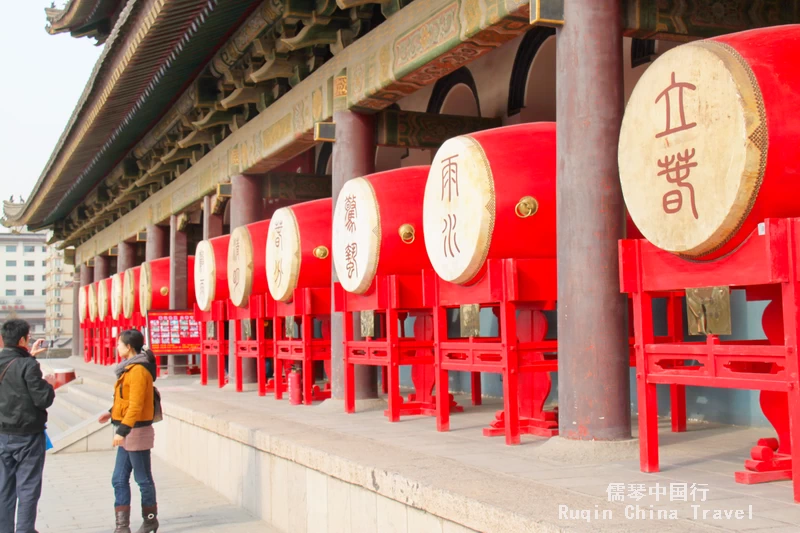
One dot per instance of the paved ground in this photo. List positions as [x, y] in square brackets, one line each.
[78, 498]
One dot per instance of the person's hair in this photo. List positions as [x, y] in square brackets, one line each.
[14, 330]
[133, 338]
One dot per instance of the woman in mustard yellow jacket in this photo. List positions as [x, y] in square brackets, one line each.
[132, 415]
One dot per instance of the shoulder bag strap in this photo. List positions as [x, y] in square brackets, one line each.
[3, 375]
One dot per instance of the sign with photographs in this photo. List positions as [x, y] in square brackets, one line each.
[173, 332]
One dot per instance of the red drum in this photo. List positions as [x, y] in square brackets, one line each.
[116, 296]
[298, 248]
[91, 295]
[708, 147]
[247, 271]
[154, 285]
[377, 227]
[491, 194]
[130, 292]
[211, 271]
[103, 299]
[83, 309]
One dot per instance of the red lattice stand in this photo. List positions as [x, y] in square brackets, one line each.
[507, 286]
[393, 299]
[88, 341]
[216, 346]
[766, 266]
[260, 310]
[307, 306]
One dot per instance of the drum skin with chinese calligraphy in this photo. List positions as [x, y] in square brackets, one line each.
[130, 292]
[116, 296]
[708, 146]
[298, 248]
[247, 270]
[491, 194]
[154, 284]
[211, 271]
[91, 297]
[377, 227]
[82, 304]
[103, 299]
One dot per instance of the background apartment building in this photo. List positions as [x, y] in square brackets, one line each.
[23, 278]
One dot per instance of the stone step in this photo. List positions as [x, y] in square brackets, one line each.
[60, 419]
[81, 407]
[92, 393]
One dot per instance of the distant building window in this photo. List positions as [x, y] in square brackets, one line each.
[28, 292]
[30, 278]
[44, 249]
[44, 292]
[11, 263]
[11, 292]
[29, 249]
[44, 263]
[30, 263]
[11, 248]
[44, 278]
[58, 308]
[58, 292]
[10, 277]
[58, 323]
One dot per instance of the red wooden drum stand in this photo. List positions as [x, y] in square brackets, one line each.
[379, 255]
[210, 308]
[299, 277]
[250, 305]
[764, 265]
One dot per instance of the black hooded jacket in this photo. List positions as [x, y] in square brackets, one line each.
[24, 394]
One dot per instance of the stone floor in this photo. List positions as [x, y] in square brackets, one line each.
[523, 479]
[77, 496]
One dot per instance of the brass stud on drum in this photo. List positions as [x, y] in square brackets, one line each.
[321, 252]
[407, 233]
[164, 291]
[527, 206]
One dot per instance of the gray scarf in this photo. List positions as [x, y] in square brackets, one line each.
[138, 359]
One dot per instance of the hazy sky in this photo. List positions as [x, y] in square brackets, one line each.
[43, 76]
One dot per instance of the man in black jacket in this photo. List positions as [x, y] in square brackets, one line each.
[24, 399]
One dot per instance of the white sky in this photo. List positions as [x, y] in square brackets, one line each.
[42, 76]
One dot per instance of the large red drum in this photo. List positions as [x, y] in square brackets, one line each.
[211, 271]
[377, 227]
[247, 271]
[708, 147]
[154, 285]
[91, 296]
[83, 310]
[130, 292]
[103, 299]
[116, 295]
[298, 248]
[491, 194]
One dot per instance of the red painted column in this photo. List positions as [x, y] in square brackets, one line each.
[102, 267]
[77, 342]
[593, 375]
[212, 224]
[247, 206]
[178, 283]
[85, 277]
[157, 244]
[126, 256]
[353, 156]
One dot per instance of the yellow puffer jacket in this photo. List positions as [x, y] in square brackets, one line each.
[133, 399]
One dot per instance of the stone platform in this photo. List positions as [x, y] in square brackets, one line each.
[317, 469]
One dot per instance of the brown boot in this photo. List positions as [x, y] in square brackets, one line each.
[150, 516]
[123, 513]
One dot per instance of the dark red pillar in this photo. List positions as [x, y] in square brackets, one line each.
[247, 206]
[353, 156]
[85, 277]
[593, 376]
[102, 267]
[212, 224]
[126, 256]
[157, 244]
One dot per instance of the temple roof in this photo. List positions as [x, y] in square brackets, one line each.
[153, 53]
[84, 18]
